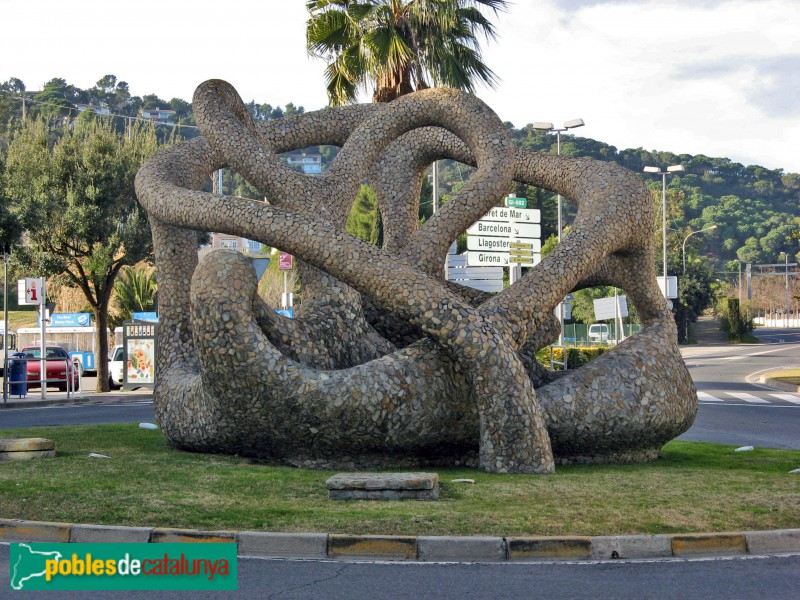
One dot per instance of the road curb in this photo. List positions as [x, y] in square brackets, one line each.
[779, 385]
[92, 398]
[424, 548]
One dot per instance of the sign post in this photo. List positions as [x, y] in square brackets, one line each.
[285, 264]
[489, 239]
[30, 291]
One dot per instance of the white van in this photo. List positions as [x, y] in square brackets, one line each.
[115, 365]
[598, 332]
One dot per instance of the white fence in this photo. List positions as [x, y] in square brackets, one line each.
[775, 320]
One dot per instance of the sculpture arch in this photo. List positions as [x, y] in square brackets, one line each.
[387, 364]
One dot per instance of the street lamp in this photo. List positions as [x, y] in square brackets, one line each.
[691, 233]
[544, 126]
[657, 171]
[786, 272]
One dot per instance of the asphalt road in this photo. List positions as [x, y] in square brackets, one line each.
[734, 407]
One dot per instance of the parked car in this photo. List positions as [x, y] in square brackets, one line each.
[59, 364]
[598, 332]
[115, 366]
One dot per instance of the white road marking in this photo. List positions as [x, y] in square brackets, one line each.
[793, 398]
[748, 398]
[703, 397]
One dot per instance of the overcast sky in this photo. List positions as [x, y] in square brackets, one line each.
[714, 77]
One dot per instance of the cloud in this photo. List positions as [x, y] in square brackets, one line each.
[770, 84]
[575, 5]
[778, 86]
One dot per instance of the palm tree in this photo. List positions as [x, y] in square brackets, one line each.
[400, 45]
[135, 291]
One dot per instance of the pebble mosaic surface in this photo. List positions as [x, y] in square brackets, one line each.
[386, 364]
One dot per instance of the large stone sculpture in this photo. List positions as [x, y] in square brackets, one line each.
[386, 363]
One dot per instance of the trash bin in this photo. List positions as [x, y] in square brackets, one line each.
[18, 375]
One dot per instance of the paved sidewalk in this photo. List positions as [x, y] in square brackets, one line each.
[34, 398]
[706, 331]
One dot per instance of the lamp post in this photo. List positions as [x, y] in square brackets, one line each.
[544, 126]
[691, 233]
[683, 253]
[657, 171]
[6, 353]
[740, 281]
[786, 272]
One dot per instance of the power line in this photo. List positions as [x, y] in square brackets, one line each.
[103, 114]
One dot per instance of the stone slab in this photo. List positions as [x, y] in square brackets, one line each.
[110, 534]
[708, 544]
[451, 548]
[161, 534]
[631, 546]
[15, 530]
[549, 548]
[372, 547]
[27, 454]
[383, 481]
[766, 542]
[383, 494]
[383, 486]
[284, 545]
[25, 444]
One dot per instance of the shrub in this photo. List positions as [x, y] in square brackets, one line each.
[577, 356]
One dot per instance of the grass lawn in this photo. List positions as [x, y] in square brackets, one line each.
[695, 487]
[21, 318]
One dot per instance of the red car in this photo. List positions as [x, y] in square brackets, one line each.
[57, 365]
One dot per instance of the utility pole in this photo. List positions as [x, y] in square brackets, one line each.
[786, 272]
[435, 195]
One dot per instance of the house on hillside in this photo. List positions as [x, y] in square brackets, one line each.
[243, 245]
[311, 164]
[160, 115]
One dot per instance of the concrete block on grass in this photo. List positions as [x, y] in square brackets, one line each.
[468, 549]
[283, 545]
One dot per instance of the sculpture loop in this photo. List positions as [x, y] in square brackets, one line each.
[386, 364]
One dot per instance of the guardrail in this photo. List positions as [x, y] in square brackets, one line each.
[71, 370]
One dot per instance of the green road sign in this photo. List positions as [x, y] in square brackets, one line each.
[517, 202]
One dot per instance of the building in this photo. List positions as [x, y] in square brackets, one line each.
[311, 164]
[157, 114]
[100, 110]
[243, 245]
